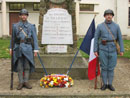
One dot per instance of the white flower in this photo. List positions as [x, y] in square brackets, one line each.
[52, 82]
[58, 78]
[65, 79]
[67, 85]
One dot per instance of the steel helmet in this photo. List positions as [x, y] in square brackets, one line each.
[23, 11]
[109, 11]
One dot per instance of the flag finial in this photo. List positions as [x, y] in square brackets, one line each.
[95, 16]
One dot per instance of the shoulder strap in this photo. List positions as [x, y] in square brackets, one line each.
[23, 32]
[110, 33]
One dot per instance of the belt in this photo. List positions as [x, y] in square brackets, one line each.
[24, 41]
[109, 40]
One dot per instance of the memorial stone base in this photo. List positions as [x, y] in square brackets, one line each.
[59, 64]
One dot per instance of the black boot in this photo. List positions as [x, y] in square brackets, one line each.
[104, 87]
[27, 85]
[20, 86]
[110, 87]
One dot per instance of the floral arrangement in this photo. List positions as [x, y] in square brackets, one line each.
[56, 80]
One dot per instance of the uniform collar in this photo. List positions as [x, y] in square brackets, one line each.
[25, 24]
[108, 22]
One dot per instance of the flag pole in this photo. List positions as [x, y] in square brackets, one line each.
[42, 63]
[95, 16]
[97, 65]
[12, 59]
[73, 61]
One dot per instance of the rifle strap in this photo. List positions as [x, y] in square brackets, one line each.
[110, 33]
[23, 32]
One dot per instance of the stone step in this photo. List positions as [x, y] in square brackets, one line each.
[75, 73]
[61, 61]
[59, 64]
[66, 96]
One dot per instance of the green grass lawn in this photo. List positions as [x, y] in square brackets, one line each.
[4, 48]
[82, 53]
[127, 48]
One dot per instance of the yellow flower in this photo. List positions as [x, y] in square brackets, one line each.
[45, 82]
[72, 82]
[44, 78]
[50, 85]
[55, 80]
[40, 84]
[46, 86]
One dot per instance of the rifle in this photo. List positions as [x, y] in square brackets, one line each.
[97, 65]
[12, 44]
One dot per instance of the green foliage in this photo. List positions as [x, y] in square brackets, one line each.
[4, 48]
[127, 48]
[82, 53]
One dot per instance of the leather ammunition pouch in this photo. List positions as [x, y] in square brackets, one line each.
[104, 42]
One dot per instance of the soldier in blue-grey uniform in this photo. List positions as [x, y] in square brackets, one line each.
[105, 48]
[25, 48]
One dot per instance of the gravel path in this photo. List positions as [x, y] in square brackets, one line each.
[81, 87]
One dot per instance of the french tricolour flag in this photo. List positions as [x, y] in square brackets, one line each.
[87, 46]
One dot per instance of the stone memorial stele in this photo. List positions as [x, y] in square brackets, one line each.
[58, 39]
[57, 27]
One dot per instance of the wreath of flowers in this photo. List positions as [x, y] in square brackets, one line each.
[56, 80]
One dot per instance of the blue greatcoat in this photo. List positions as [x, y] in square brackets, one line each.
[23, 48]
[107, 53]
[103, 34]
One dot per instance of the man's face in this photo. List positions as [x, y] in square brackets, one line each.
[23, 17]
[108, 17]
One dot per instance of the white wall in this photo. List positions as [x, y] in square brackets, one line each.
[85, 18]
[122, 16]
[0, 22]
[33, 15]
[7, 18]
[84, 22]
[34, 19]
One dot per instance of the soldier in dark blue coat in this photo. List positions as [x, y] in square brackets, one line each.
[105, 48]
[25, 48]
